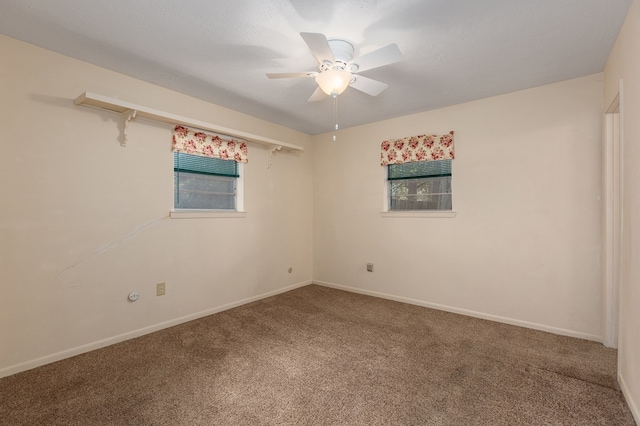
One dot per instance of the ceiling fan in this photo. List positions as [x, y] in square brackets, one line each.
[338, 68]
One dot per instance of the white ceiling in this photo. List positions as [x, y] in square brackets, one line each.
[454, 50]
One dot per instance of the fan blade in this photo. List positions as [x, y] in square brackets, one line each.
[292, 74]
[384, 56]
[318, 95]
[368, 85]
[319, 46]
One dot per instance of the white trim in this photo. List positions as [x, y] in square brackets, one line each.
[611, 224]
[385, 189]
[475, 314]
[621, 277]
[206, 214]
[132, 111]
[24, 366]
[633, 407]
[217, 214]
[608, 224]
[240, 188]
[419, 213]
[411, 213]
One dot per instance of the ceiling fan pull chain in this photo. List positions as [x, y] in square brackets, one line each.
[335, 114]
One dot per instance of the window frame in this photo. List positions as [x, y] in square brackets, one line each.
[239, 212]
[386, 206]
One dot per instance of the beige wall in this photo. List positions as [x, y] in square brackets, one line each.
[525, 245]
[84, 221]
[624, 64]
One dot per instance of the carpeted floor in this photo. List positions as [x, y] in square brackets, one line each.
[319, 356]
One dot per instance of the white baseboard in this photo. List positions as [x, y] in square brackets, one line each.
[68, 353]
[633, 407]
[511, 321]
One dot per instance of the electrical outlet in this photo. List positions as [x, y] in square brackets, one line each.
[161, 289]
[370, 267]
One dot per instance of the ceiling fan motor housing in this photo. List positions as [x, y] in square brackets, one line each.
[342, 52]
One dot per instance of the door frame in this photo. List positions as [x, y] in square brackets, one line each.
[612, 220]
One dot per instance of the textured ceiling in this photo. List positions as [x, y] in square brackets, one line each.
[454, 50]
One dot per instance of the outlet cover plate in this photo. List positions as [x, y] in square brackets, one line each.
[161, 289]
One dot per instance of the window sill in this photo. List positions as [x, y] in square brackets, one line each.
[205, 214]
[420, 213]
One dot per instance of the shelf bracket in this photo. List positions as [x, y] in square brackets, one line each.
[272, 150]
[127, 116]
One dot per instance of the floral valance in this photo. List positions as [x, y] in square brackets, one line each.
[417, 148]
[206, 145]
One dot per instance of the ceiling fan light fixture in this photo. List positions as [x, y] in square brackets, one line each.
[333, 81]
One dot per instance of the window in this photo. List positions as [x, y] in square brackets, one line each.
[204, 183]
[420, 185]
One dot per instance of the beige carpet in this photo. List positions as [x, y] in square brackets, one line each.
[318, 356]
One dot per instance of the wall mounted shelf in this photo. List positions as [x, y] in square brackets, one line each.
[130, 111]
